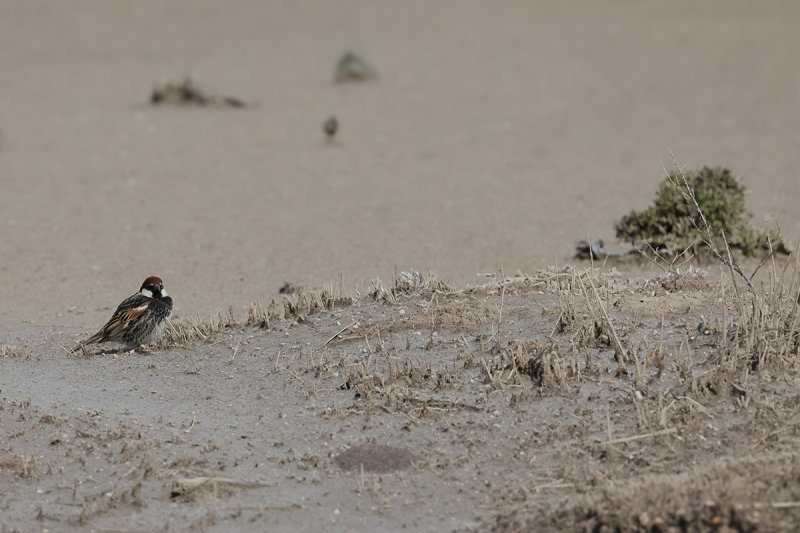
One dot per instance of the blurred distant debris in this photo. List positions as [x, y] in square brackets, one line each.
[289, 288]
[187, 93]
[330, 127]
[352, 67]
[594, 248]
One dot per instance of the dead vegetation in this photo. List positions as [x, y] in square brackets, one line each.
[610, 382]
[296, 305]
[751, 330]
[677, 372]
[11, 350]
[570, 383]
[410, 282]
[208, 488]
[718, 497]
[764, 332]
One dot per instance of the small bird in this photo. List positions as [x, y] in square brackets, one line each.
[330, 127]
[138, 320]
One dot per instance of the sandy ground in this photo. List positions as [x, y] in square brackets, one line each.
[504, 408]
[496, 135]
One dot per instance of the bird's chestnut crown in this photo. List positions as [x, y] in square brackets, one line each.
[153, 287]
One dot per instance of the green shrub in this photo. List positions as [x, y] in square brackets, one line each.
[673, 223]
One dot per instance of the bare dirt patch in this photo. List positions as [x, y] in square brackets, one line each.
[375, 458]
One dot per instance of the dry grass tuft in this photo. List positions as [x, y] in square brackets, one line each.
[9, 350]
[263, 318]
[183, 331]
[693, 279]
[567, 278]
[22, 465]
[540, 361]
[411, 282]
[765, 333]
[297, 305]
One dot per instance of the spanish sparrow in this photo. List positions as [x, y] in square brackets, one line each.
[139, 319]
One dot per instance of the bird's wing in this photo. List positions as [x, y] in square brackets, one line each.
[127, 313]
[123, 319]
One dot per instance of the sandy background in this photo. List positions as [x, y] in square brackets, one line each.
[498, 134]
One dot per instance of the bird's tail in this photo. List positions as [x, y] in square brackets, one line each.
[91, 340]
